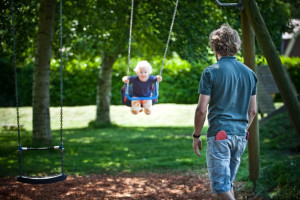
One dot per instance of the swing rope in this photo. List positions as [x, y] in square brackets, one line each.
[167, 45]
[46, 179]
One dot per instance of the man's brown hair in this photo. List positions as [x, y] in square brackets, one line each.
[225, 41]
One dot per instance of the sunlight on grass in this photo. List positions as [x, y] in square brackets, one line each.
[175, 115]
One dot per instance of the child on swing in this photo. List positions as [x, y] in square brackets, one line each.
[142, 87]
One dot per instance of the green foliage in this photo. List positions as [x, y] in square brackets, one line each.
[294, 8]
[79, 79]
[107, 22]
[7, 81]
[25, 23]
[276, 14]
[180, 80]
[292, 65]
[86, 39]
[7, 88]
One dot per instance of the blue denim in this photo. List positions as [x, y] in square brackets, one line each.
[223, 161]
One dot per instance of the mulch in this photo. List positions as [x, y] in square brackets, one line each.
[122, 186]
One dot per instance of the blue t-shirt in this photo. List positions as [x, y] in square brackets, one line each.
[230, 85]
[142, 89]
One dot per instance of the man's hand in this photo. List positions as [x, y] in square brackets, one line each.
[197, 146]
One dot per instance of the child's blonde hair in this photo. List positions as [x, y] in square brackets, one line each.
[143, 64]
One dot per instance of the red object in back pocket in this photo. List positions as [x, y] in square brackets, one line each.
[247, 136]
[221, 135]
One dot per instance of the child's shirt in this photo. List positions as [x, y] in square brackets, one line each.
[142, 89]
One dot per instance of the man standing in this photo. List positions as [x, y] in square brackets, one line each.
[229, 87]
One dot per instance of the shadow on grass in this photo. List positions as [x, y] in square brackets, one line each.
[106, 150]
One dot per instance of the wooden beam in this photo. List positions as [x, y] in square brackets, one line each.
[279, 73]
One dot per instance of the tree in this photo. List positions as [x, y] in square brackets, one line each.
[41, 77]
[102, 29]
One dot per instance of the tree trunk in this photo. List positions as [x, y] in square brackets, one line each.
[104, 90]
[249, 60]
[279, 73]
[41, 77]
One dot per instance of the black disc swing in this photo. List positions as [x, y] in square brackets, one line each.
[51, 178]
[126, 90]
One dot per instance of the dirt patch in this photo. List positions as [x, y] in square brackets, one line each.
[142, 186]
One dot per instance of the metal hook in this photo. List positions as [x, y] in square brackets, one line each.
[240, 5]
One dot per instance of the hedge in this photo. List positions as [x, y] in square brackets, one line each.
[180, 81]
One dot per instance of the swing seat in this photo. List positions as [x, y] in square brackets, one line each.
[127, 97]
[42, 180]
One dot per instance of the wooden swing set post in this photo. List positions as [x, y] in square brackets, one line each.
[249, 60]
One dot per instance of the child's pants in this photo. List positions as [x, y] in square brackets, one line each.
[136, 106]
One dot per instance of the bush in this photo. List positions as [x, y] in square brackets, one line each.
[80, 78]
[293, 67]
[7, 89]
[79, 83]
[7, 82]
[180, 80]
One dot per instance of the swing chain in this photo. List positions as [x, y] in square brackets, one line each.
[130, 33]
[16, 80]
[61, 86]
[15, 66]
[170, 32]
[16, 86]
[129, 45]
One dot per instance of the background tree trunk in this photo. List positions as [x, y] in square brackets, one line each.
[104, 90]
[280, 75]
[41, 77]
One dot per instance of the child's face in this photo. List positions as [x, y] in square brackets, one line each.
[143, 74]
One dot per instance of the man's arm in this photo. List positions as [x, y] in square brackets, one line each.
[200, 115]
[252, 110]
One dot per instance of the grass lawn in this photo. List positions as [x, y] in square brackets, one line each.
[164, 115]
[160, 143]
